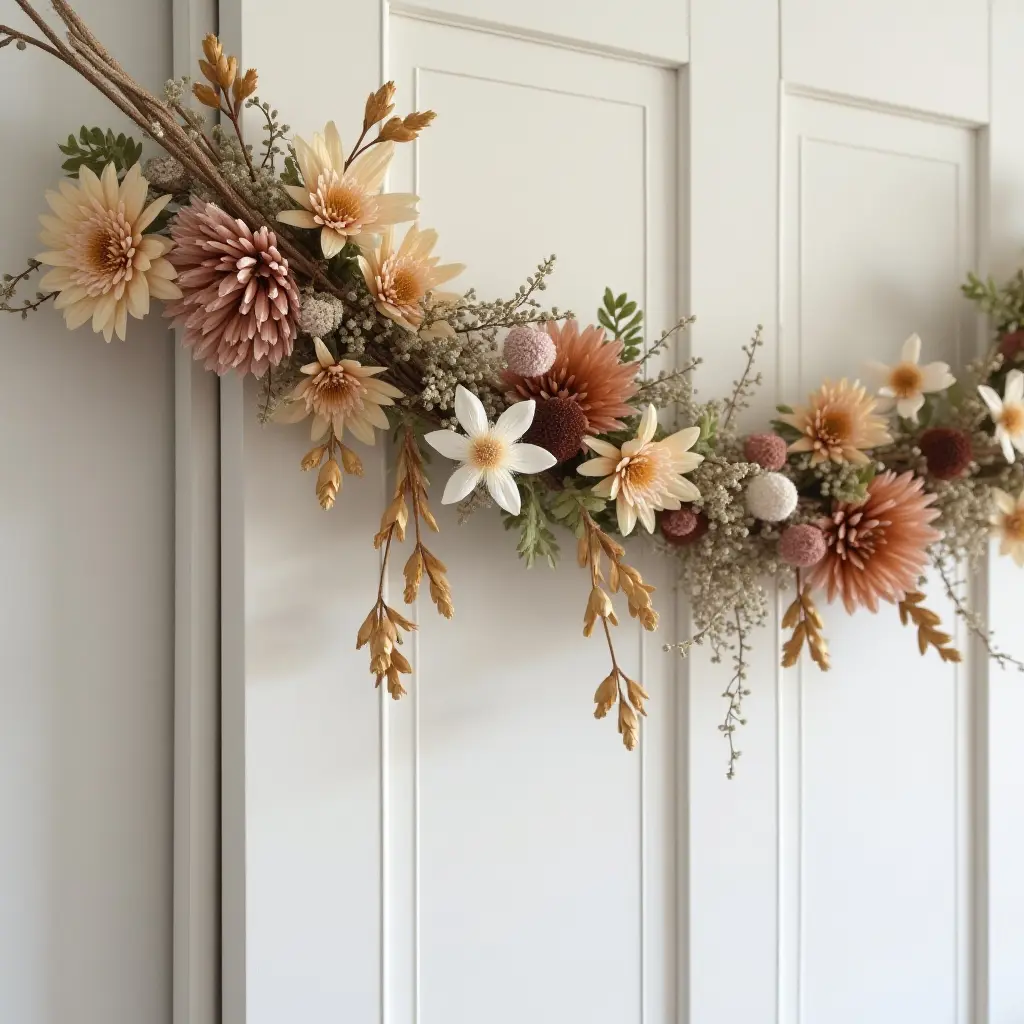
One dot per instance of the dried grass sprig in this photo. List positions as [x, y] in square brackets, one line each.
[381, 629]
[803, 618]
[593, 545]
[912, 609]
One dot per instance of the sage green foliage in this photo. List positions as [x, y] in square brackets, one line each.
[621, 317]
[291, 174]
[569, 504]
[535, 537]
[95, 148]
[1004, 303]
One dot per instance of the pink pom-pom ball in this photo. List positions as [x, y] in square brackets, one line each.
[766, 450]
[683, 526]
[802, 546]
[528, 351]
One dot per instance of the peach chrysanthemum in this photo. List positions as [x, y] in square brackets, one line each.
[644, 476]
[588, 369]
[343, 202]
[399, 279]
[104, 267]
[339, 393]
[839, 423]
[240, 306]
[878, 548]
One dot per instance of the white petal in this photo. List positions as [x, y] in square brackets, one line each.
[529, 458]
[597, 467]
[449, 444]
[332, 242]
[626, 515]
[1006, 444]
[879, 371]
[460, 483]
[908, 408]
[515, 420]
[503, 489]
[686, 490]
[991, 399]
[1003, 501]
[1014, 390]
[646, 516]
[648, 424]
[469, 411]
[936, 377]
[602, 448]
[911, 352]
[682, 440]
[323, 353]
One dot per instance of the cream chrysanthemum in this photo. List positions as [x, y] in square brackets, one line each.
[399, 279]
[838, 424]
[491, 454]
[1007, 413]
[644, 475]
[339, 393]
[905, 385]
[1008, 523]
[104, 267]
[344, 202]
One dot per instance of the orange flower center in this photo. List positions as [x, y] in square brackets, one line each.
[335, 391]
[906, 380]
[337, 202]
[1013, 525]
[104, 253]
[404, 286]
[1011, 419]
[832, 428]
[487, 452]
[638, 472]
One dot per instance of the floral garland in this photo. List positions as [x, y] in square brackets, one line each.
[295, 275]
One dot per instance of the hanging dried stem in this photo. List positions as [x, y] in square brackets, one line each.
[912, 609]
[734, 694]
[616, 686]
[803, 618]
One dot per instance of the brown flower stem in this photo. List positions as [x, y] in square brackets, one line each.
[233, 117]
[355, 148]
[384, 565]
[13, 34]
[734, 694]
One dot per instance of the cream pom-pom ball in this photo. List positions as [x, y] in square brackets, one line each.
[528, 351]
[771, 497]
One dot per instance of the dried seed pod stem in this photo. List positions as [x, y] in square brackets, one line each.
[803, 618]
[912, 609]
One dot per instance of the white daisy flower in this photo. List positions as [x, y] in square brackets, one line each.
[489, 453]
[1007, 413]
[904, 385]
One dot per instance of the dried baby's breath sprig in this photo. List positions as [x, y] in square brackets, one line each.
[593, 544]
[803, 618]
[734, 694]
[912, 609]
[749, 382]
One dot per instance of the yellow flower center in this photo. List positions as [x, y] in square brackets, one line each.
[406, 287]
[1011, 419]
[906, 380]
[1013, 525]
[338, 202]
[487, 452]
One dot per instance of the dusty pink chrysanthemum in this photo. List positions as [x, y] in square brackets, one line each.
[588, 369]
[878, 548]
[239, 304]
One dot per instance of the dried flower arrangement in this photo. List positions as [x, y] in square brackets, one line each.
[295, 275]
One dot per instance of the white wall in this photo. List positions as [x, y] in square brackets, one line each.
[86, 609]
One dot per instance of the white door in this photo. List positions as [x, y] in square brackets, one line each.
[485, 850]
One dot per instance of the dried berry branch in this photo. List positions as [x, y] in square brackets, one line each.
[912, 609]
[734, 694]
[748, 382]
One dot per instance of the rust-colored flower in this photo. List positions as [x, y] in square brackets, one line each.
[878, 548]
[838, 424]
[239, 304]
[588, 369]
